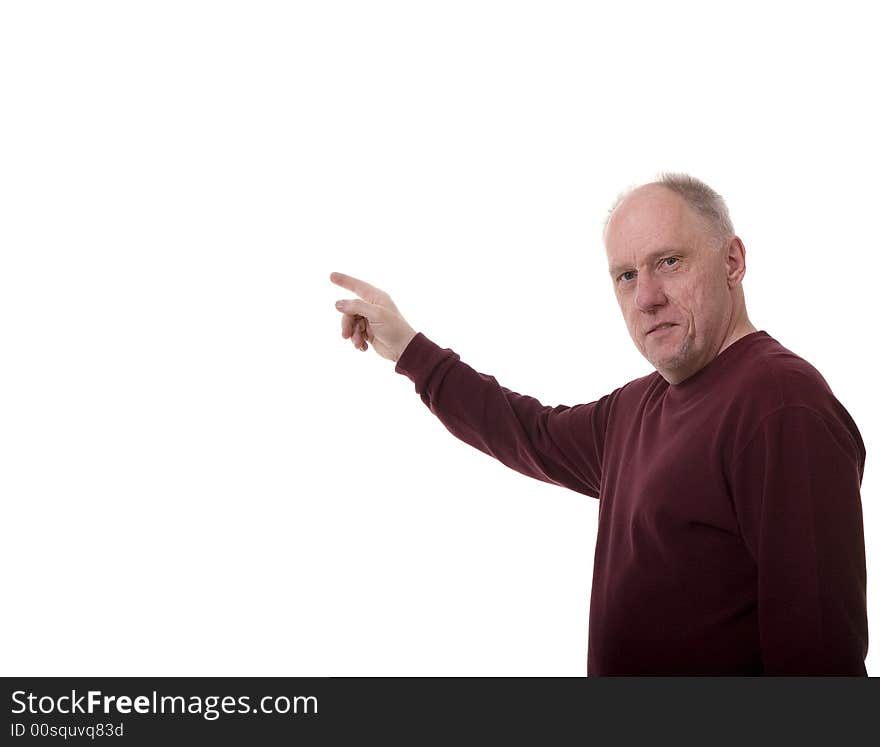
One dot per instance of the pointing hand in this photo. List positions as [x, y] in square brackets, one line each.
[372, 318]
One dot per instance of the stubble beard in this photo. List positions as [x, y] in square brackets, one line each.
[676, 360]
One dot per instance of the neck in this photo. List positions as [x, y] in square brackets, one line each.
[742, 328]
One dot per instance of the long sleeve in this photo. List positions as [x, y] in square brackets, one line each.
[560, 445]
[796, 488]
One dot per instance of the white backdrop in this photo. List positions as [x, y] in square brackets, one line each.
[199, 476]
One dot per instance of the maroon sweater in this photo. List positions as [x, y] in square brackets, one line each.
[730, 536]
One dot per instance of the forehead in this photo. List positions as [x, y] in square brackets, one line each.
[649, 220]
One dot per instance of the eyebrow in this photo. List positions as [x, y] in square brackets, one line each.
[617, 269]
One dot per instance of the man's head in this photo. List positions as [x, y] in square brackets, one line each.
[677, 268]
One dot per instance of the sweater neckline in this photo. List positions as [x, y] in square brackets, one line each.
[715, 366]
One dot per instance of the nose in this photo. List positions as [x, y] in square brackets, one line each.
[649, 292]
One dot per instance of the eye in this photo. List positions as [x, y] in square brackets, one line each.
[623, 275]
[674, 260]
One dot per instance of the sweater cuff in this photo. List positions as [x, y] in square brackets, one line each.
[419, 358]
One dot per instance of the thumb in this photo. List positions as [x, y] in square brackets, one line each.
[356, 306]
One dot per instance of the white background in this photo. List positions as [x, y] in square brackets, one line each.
[199, 476]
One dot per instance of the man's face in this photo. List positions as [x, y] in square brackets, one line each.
[670, 280]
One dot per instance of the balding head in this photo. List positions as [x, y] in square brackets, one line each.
[699, 196]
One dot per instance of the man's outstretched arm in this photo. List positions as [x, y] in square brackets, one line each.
[560, 445]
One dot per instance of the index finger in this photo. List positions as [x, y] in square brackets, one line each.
[361, 287]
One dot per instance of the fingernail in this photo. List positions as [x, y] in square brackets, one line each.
[339, 305]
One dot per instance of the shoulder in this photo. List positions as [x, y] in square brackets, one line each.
[771, 376]
[625, 400]
[775, 385]
[636, 392]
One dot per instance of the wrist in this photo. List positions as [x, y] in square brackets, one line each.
[407, 340]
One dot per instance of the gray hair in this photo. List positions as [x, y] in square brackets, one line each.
[704, 200]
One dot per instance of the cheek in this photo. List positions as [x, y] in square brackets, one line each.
[630, 313]
[692, 294]
[705, 305]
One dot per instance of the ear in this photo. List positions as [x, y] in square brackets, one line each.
[734, 260]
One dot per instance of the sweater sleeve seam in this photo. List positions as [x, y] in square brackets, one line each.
[775, 411]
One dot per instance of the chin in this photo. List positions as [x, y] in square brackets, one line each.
[680, 360]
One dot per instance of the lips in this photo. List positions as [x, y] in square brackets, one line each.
[661, 326]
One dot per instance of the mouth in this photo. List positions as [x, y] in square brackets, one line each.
[660, 328]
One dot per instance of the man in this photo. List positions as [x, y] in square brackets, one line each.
[730, 536]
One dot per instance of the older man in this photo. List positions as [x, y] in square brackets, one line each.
[730, 525]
